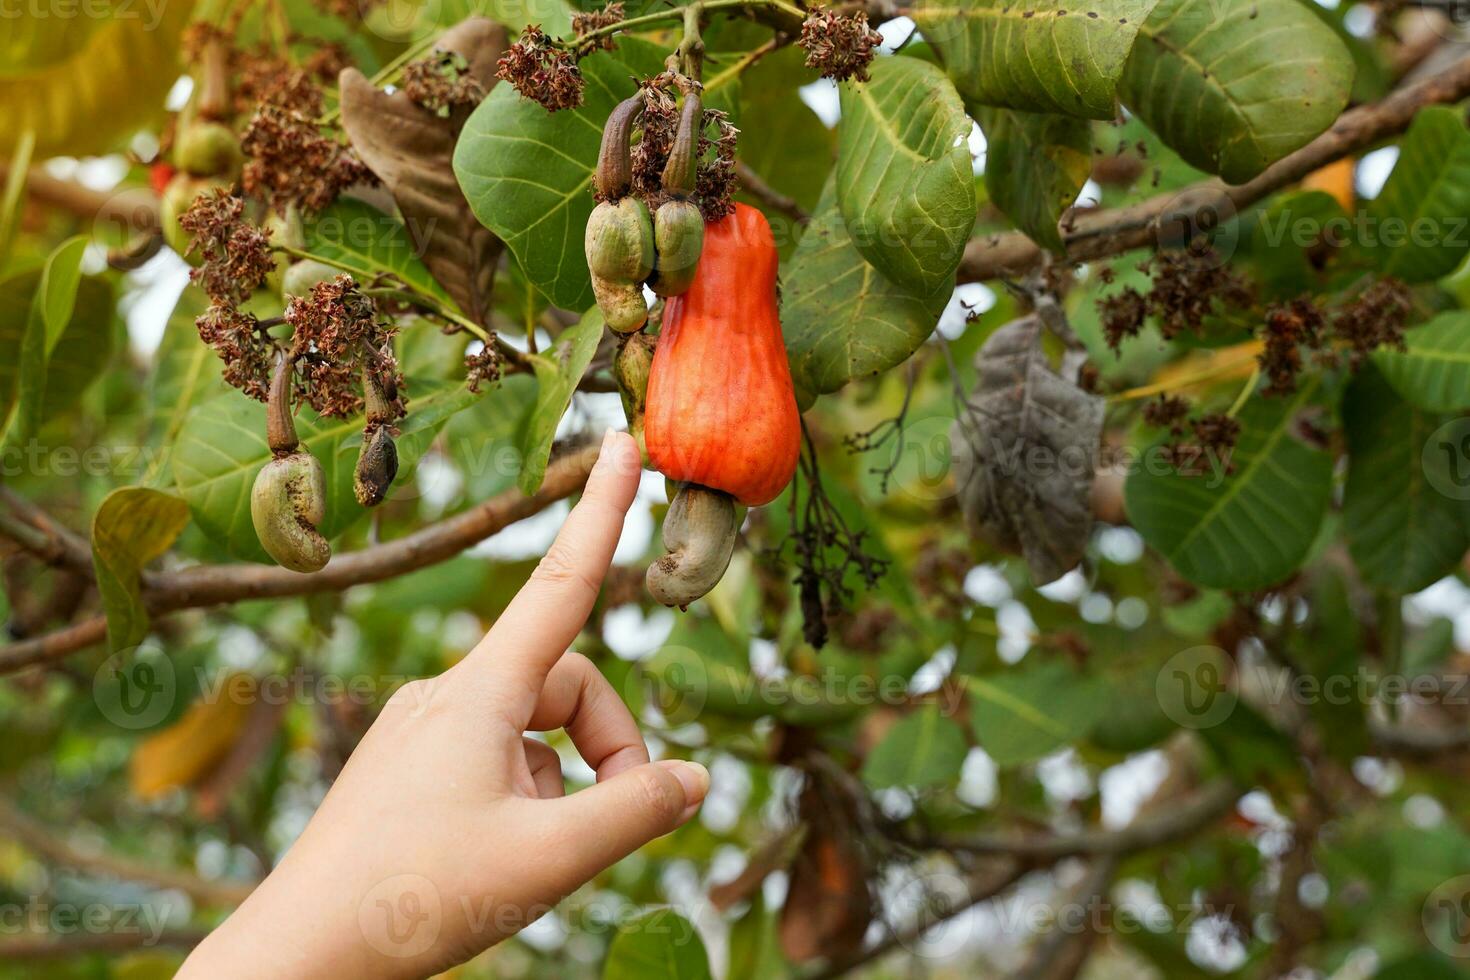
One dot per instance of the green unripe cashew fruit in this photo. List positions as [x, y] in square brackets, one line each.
[303, 274]
[678, 225]
[208, 149]
[620, 256]
[619, 242]
[178, 197]
[289, 498]
[699, 535]
[678, 238]
[287, 503]
[631, 369]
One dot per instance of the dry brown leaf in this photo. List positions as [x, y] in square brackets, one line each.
[411, 149]
[190, 748]
[1025, 453]
[829, 905]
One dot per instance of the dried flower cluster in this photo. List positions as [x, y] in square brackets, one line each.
[1188, 286]
[840, 46]
[441, 83]
[1213, 435]
[482, 367]
[237, 255]
[585, 23]
[542, 70]
[261, 74]
[336, 337]
[244, 349]
[289, 160]
[1375, 318]
[1289, 328]
[715, 176]
[236, 261]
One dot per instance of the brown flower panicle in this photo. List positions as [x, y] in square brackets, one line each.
[1167, 412]
[441, 83]
[289, 160]
[245, 349]
[585, 23]
[1189, 285]
[1377, 318]
[236, 254]
[336, 336]
[1289, 328]
[482, 367]
[840, 46]
[542, 70]
[714, 182]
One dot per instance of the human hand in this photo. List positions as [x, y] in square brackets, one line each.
[448, 830]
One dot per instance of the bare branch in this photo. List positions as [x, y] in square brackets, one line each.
[38, 946]
[1182, 819]
[1102, 234]
[755, 185]
[36, 837]
[41, 534]
[211, 585]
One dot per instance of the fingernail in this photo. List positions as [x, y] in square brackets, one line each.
[695, 780]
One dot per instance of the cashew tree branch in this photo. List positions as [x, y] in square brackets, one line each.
[1103, 234]
[213, 585]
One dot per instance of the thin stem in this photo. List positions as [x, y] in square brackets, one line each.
[738, 68]
[677, 13]
[1188, 381]
[1245, 393]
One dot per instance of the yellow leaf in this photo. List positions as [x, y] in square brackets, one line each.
[191, 747]
[84, 82]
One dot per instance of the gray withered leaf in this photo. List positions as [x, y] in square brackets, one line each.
[410, 148]
[1025, 453]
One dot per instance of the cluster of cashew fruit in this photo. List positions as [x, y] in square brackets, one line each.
[711, 401]
[289, 499]
[626, 246]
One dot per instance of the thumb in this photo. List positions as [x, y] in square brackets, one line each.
[612, 819]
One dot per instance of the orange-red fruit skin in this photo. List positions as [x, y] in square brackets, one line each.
[721, 409]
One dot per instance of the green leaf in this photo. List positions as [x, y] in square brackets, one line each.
[924, 749]
[370, 242]
[904, 177]
[1417, 225]
[841, 319]
[558, 372]
[658, 945]
[62, 76]
[484, 441]
[55, 338]
[1041, 56]
[186, 373]
[1433, 373]
[133, 526]
[1403, 533]
[791, 149]
[527, 173]
[1235, 85]
[1035, 166]
[222, 447]
[1245, 529]
[1022, 715]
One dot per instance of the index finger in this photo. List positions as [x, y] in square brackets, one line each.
[547, 614]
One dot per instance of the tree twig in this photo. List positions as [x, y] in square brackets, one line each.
[1102, 234]
[211, 585]
[1182, 819]
[755, 185]
[44, 536]
[37, 838]
[39, 946]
